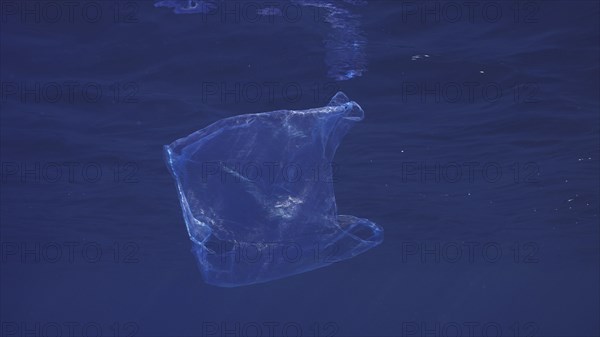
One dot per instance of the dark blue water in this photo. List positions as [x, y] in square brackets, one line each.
[478, 156]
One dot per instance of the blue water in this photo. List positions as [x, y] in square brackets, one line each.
[478, 156]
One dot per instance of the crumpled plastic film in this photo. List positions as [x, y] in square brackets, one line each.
[257, 194]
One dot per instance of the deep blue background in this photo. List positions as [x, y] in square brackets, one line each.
[161, 64]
